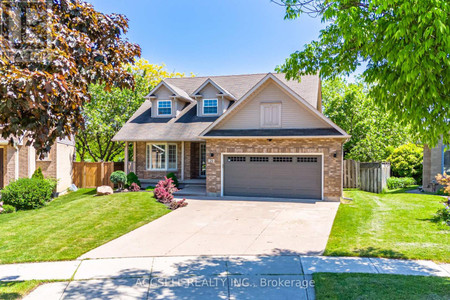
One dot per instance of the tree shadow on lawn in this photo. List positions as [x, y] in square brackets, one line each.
[9, 295]
[367, 252]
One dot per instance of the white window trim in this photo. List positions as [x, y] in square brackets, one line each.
[262, 115]
[210, 114]
[157, 108]
[148, 157]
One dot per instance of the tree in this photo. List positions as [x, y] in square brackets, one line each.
[404, 46]
[374, 136]
[50, 52]
[406, 161]
[108, 111]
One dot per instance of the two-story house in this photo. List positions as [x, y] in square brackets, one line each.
[245, 135]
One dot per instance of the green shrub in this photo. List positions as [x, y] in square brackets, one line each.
[37, 174]
[406, 161]
[400, 182]
[53, 183]
[132, 178]
[27, 193]
[7, 209]
[443, 214]
[119, 178]
[174, 178]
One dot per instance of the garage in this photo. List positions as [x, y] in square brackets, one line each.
[281, 176]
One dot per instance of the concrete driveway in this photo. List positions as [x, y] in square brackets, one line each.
[231, 226]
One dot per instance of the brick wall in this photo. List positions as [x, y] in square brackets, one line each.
[332, 183]
[48, 166]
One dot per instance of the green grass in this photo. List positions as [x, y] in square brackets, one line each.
[17, 289]
[380, 286]
[73, 224]
[394, 224]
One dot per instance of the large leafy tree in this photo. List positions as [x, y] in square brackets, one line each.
[108, 111]
[404, 46]
[51, 51]
[373, 135]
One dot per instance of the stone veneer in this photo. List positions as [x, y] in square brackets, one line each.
[332, 183]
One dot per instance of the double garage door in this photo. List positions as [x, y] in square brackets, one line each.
[285, 176]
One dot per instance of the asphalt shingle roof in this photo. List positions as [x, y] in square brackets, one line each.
[188, 126]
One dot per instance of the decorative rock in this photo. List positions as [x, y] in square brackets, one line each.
[104, 190]
[125, 190]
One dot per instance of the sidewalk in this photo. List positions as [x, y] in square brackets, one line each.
[227, 277]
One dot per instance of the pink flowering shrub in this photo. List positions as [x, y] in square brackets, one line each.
[177, 204]
[134, 187]
[164, 190]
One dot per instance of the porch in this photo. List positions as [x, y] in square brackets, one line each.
[151, 161]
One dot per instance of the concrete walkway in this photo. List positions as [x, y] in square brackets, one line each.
[198, 277]
[230, 226]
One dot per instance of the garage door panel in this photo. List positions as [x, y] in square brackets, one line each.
[297, 176]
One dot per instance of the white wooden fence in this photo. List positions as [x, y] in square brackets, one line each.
[370, 177]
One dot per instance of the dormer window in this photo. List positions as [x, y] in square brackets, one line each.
[210, 107]
[164, 107]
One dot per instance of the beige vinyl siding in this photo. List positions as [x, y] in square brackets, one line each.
[293, 114]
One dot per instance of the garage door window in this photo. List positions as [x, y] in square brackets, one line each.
[259, 159]
[236, 158]
[307, 159]
[282, 159]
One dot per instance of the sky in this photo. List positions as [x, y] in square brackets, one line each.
[213, 37]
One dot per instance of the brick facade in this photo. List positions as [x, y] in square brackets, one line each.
[48, 165]
[332, 183]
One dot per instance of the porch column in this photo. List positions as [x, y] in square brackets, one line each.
[134, 157]
[125, 167]
[182, 161]
[16, 165]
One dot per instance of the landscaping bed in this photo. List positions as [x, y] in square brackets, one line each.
[395, 224]
[73, 224]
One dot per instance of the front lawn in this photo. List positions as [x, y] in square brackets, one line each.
[17, 289]
[73, 224]
[380, 286]
[395, 224]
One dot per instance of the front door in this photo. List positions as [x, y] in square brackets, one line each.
[2, 177]
[202, 160]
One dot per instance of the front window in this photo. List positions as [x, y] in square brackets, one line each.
[164, 108]
[161, 156]
[210, 107]
[446, 161]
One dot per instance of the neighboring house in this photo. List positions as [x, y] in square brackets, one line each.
[435, 161]
[19, 160]
[247, 135]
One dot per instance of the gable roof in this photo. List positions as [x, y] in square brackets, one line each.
[217, 86]
[174, 89]
[287, 88]
[187, 126]
[239, 85]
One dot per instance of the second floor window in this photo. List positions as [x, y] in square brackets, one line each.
[210, 107]
[164, 108]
